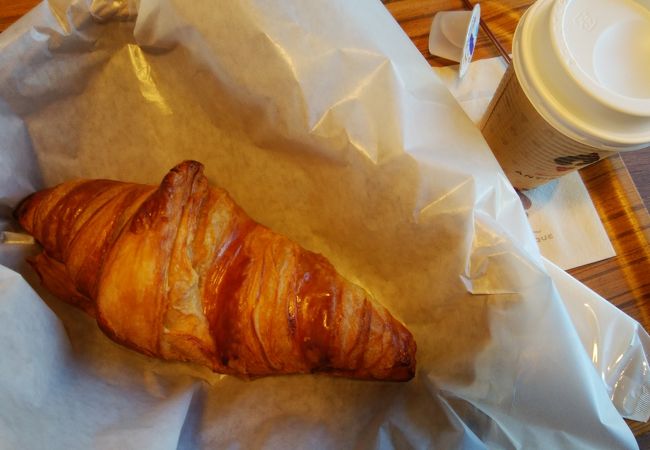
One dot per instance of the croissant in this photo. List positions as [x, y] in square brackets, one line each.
[180, 272]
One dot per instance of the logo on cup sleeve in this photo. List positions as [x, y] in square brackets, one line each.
[566, 163]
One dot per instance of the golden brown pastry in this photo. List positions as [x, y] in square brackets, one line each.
[180, 272]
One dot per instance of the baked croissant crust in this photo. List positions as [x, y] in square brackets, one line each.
[180, 272]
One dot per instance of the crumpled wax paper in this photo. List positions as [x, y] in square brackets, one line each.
[323, 122]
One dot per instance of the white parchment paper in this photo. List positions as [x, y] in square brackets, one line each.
[324, 123]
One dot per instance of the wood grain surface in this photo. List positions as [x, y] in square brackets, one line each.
[12, 10]
[625, 279]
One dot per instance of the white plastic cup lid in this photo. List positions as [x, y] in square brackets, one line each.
[585, 66]
[605, 45]
[453, 36]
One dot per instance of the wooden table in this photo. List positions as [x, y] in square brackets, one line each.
[625, 279]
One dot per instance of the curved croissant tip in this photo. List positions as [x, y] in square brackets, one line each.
[188, 165]
[20, 209]
[182, 173]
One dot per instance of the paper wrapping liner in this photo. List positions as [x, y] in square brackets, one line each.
[324, 123]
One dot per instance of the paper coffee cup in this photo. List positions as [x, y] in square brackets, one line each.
[578, 89]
